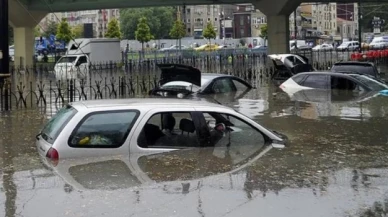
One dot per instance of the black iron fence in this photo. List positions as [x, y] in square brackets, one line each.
[46, 86]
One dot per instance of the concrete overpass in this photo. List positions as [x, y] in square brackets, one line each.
[24, 15]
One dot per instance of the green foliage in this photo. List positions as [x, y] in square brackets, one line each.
[209, 32]
[159, 19]
[264, 31]
[178, 30]
[52, 28]
[143, 32]
[113, 29]
[78, 31]
[64, 31]
[37, 32]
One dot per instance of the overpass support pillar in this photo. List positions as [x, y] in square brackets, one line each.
[24, 46]
[278, 34]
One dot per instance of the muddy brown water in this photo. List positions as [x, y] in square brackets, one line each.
[335, 165]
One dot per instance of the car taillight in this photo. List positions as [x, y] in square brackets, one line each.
[53, 155]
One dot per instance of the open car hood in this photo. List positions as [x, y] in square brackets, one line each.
[178, 72]
[281, 63]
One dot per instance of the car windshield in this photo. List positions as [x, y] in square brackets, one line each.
[361, 69]
[52, 129]
[67, 59]
[371, 83]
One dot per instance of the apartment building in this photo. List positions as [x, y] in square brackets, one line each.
[248, 21]
[196, 18]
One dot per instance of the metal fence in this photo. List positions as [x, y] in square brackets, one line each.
[44, 86]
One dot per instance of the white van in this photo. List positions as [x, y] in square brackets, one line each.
[379, 43]
[348, 46]
[298, 44]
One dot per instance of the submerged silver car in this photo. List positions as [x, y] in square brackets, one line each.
[112, 127]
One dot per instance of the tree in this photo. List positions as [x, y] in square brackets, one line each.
[160, 20]
[178, 31]
[78, 31]
[64, 32]
[113, 29]
[264, 32]
[143, 32]
[37, 32]
[209, 32]
[51, 29]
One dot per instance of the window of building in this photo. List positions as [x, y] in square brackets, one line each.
[215, 19]
[208, 19]
[103, 129]
[241, 20]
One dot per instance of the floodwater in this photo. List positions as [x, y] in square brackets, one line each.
[335, 165]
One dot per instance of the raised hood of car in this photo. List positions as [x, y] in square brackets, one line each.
[177, 72]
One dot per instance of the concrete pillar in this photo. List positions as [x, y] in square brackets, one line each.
[278, 34]
[24, 46]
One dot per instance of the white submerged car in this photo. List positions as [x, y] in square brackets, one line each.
[128, 126]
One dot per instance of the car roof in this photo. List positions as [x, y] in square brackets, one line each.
[353, 63]
[214, 75]
[325, 73]
[146, 102]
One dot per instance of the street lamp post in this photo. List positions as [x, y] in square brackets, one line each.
[4, 47]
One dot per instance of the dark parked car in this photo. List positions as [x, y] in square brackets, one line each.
[186, 80]
[353, 67]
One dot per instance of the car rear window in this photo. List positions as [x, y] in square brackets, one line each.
[55, 125]
[107, 129]
[360, 69]
[298, 78]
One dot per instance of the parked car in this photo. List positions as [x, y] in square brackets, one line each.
[174, 48]
[363, 68]
[323, 47]
[348, 46]
[259, 49]
[354, 83]
[182, 79]
[287, 65]
[207, 47]
[135, 126]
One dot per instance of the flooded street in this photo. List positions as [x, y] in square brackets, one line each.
[335, 165]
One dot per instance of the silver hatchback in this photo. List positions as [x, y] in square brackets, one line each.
[116, 127]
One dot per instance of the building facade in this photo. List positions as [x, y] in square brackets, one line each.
[196, 18]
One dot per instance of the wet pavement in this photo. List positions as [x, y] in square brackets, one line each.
[335, 165]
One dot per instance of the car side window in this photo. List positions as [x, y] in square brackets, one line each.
[341, 83]
[223, 85]
[316, 81]
[103, 129]
[227, 131]
[239, 85]
[169, 130]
